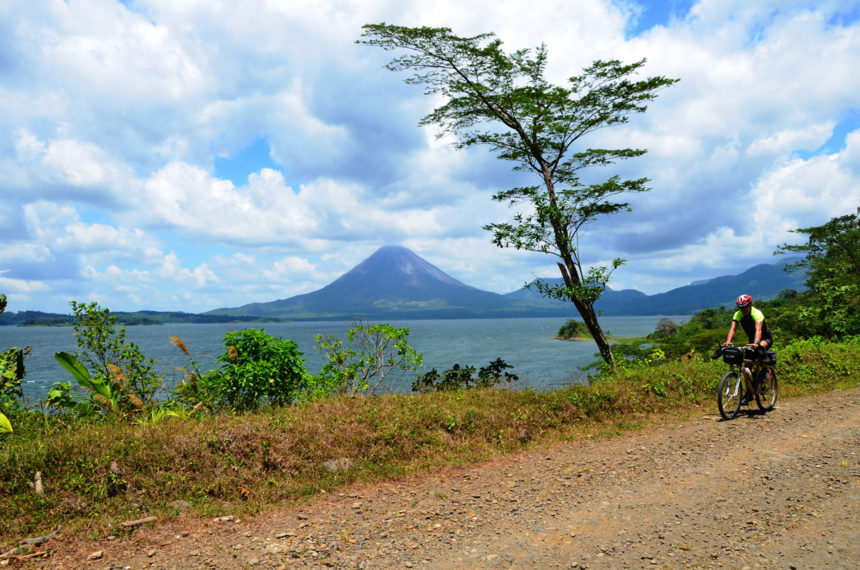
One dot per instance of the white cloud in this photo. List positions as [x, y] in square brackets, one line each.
[189, 199]
[789, 140]
[817, 189]
[104, 50]
[72, 163]
[114, 119]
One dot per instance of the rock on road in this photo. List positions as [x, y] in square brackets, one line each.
[780, 490]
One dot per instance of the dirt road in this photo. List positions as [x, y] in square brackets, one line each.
[774, 491]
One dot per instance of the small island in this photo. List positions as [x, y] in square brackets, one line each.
[573, 329]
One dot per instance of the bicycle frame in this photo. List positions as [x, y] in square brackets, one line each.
[746, 370]
[731, 395]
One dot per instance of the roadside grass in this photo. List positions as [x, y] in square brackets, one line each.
[244, 463]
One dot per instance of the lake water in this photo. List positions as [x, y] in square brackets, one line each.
[541, 362]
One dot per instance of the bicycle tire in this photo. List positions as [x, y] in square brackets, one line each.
[766, 392]
[729, 394]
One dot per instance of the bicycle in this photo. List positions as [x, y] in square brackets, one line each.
[751, 373]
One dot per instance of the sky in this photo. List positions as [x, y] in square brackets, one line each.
[189, 155]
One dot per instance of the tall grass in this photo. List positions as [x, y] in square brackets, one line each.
[96, 475]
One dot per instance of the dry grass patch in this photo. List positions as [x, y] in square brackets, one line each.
[97, 475]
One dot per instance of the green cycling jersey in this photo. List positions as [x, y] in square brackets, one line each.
[748, 322]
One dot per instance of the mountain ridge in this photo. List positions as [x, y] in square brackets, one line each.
[396, 283]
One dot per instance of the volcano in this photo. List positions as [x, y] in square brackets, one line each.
[393, 282]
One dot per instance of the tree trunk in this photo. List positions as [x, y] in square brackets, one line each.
[589, 316]
[586, 310]
[571, 276]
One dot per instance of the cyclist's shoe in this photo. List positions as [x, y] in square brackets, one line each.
[748, 397]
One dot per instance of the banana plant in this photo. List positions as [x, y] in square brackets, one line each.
[109, 393]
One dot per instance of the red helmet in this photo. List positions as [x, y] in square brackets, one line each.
[744, 301]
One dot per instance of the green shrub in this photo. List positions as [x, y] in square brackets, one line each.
[665, 328]
[572, 329]
[256, 369]
[457, 378]
[362, 363]
[817, 364]
[111, 358]
[12, 373]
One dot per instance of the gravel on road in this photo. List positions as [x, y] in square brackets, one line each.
[780, 490]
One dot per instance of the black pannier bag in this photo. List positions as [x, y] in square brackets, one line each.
[733, 355]
[769, 358]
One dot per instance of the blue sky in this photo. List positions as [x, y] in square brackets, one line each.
[187, 155]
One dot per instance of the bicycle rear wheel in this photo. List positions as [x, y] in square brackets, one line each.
[730, 393]
[765, 394]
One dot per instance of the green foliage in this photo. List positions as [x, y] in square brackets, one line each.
[709, 319]
[278, 454]
[60, 396]
[107, 395]
[12, 373]
[114, 361]
[503, 101]
[832, 263]
[256, 369]
[665, 328]
[816, 364]
[572, 329]
[457, 378]
[361, 363]
[699, 335]
[191, 391]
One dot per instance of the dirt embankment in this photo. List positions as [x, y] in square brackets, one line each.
[775, 491]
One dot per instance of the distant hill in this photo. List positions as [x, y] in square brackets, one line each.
[763, 282]
[395, 283]
[40, 319]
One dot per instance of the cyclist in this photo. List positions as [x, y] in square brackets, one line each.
[758, 333]
[752, 321]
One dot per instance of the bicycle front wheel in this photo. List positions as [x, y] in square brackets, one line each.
[765, 395]
[730, 394]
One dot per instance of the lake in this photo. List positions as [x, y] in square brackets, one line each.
[541, 362]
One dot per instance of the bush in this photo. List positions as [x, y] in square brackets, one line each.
[113, 360]
[12, 373]
[365, 360]
[256, 369]
[457, 378]
[572, 329]
[665, 328]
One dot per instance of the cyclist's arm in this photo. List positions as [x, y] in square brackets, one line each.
[732, 330]
[758, 325]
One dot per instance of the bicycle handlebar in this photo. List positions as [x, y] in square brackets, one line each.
[721, 347]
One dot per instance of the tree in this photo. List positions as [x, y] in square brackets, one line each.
[369, 355]
[504, 102]
[113, 359]
[571, 329]
[665, 328]
[832, 263]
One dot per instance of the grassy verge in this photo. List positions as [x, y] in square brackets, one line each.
[243, 463]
